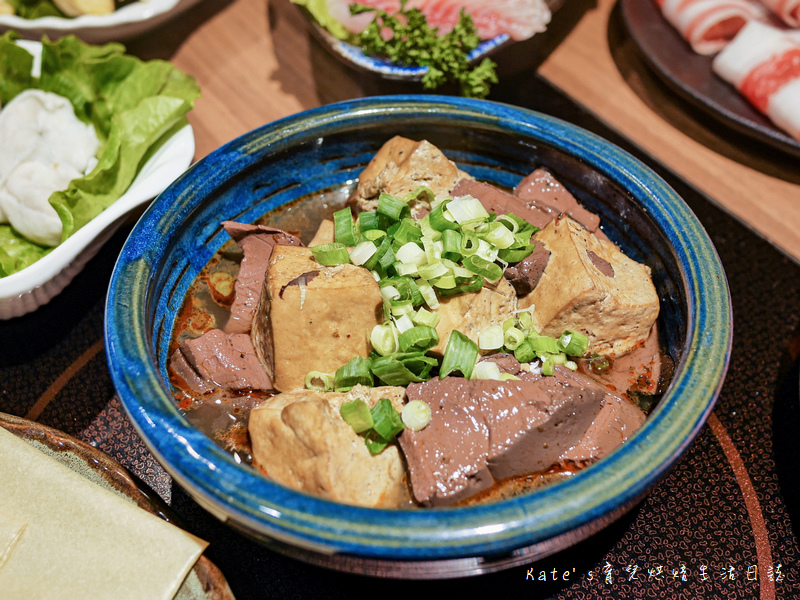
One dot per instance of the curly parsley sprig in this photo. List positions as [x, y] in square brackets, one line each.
[406, 38]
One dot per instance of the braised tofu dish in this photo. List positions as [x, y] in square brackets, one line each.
[436, 341]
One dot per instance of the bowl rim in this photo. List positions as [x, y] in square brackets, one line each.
[251, 500]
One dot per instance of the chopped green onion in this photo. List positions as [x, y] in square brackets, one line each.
[319, 382]
[498, 235]
[403, 323]
[543, 344]
[422, 194]
[525, 319]
[392, 207]
[460, 355]
[433, 271]
[515, 255]
[524, 353]
[438, 218]
[331, 254]
[491, 338]
[387, 421]
[372, 221]
[357, 414]
[383, 248]
[462, 286]
[428, 294]
[355, 372]
[401, 308]
[402, 368]
[424, 317]
[389, 293]
[513, 337]
[409, 231]
[375, 443]
[411, 253]
[451, 244]
[573, 343]
[416, 415]
[418, 338]
[433, 248]
[599, 364]
[467, 208]
[486, 269]
[362, 252]
[344, 228]
[469, 243]
[512, 224]
[487, 370]
[444, 283]
[384, 339]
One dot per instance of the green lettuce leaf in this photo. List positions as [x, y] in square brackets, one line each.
[15, 68]
[16, 252]
[133, 105]
[318, 9]
[35, 9]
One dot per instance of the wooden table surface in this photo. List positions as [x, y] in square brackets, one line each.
[256, 61]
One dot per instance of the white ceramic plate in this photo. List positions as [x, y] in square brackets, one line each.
[37, 284]
[127, 22]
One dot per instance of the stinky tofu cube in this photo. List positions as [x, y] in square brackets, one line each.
[300, 440]
[473, 312]
[591, 287]
[312, 317]
[403, 165]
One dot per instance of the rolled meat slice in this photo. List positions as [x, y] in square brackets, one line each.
[787, 10]
[763, 63]
[708, 25]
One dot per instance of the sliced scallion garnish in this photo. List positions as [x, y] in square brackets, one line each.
[357, 414]
[331, 254]
[573, 343]
[355, 372]
[460, 355]
[416, 415]
[344, 228]
[386, 420]
[418, 338]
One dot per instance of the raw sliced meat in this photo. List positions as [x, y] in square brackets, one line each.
[520, 19]
[764, 65]
[708, 25]
[787, 10]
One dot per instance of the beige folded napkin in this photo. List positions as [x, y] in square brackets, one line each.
[66, 537]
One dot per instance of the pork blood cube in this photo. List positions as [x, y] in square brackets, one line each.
[591, 287]
[312, 317]
[482, 430]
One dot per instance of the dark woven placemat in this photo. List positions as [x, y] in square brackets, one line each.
[720, 525]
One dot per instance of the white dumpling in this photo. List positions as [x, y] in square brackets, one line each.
[24, 199]
[45, 146]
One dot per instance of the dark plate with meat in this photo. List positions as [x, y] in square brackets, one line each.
[691, 76]
[291, 175]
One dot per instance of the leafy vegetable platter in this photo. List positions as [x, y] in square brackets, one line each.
[124, 23]
[28, 289]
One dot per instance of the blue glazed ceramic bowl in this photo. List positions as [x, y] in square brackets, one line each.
[267, 169]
